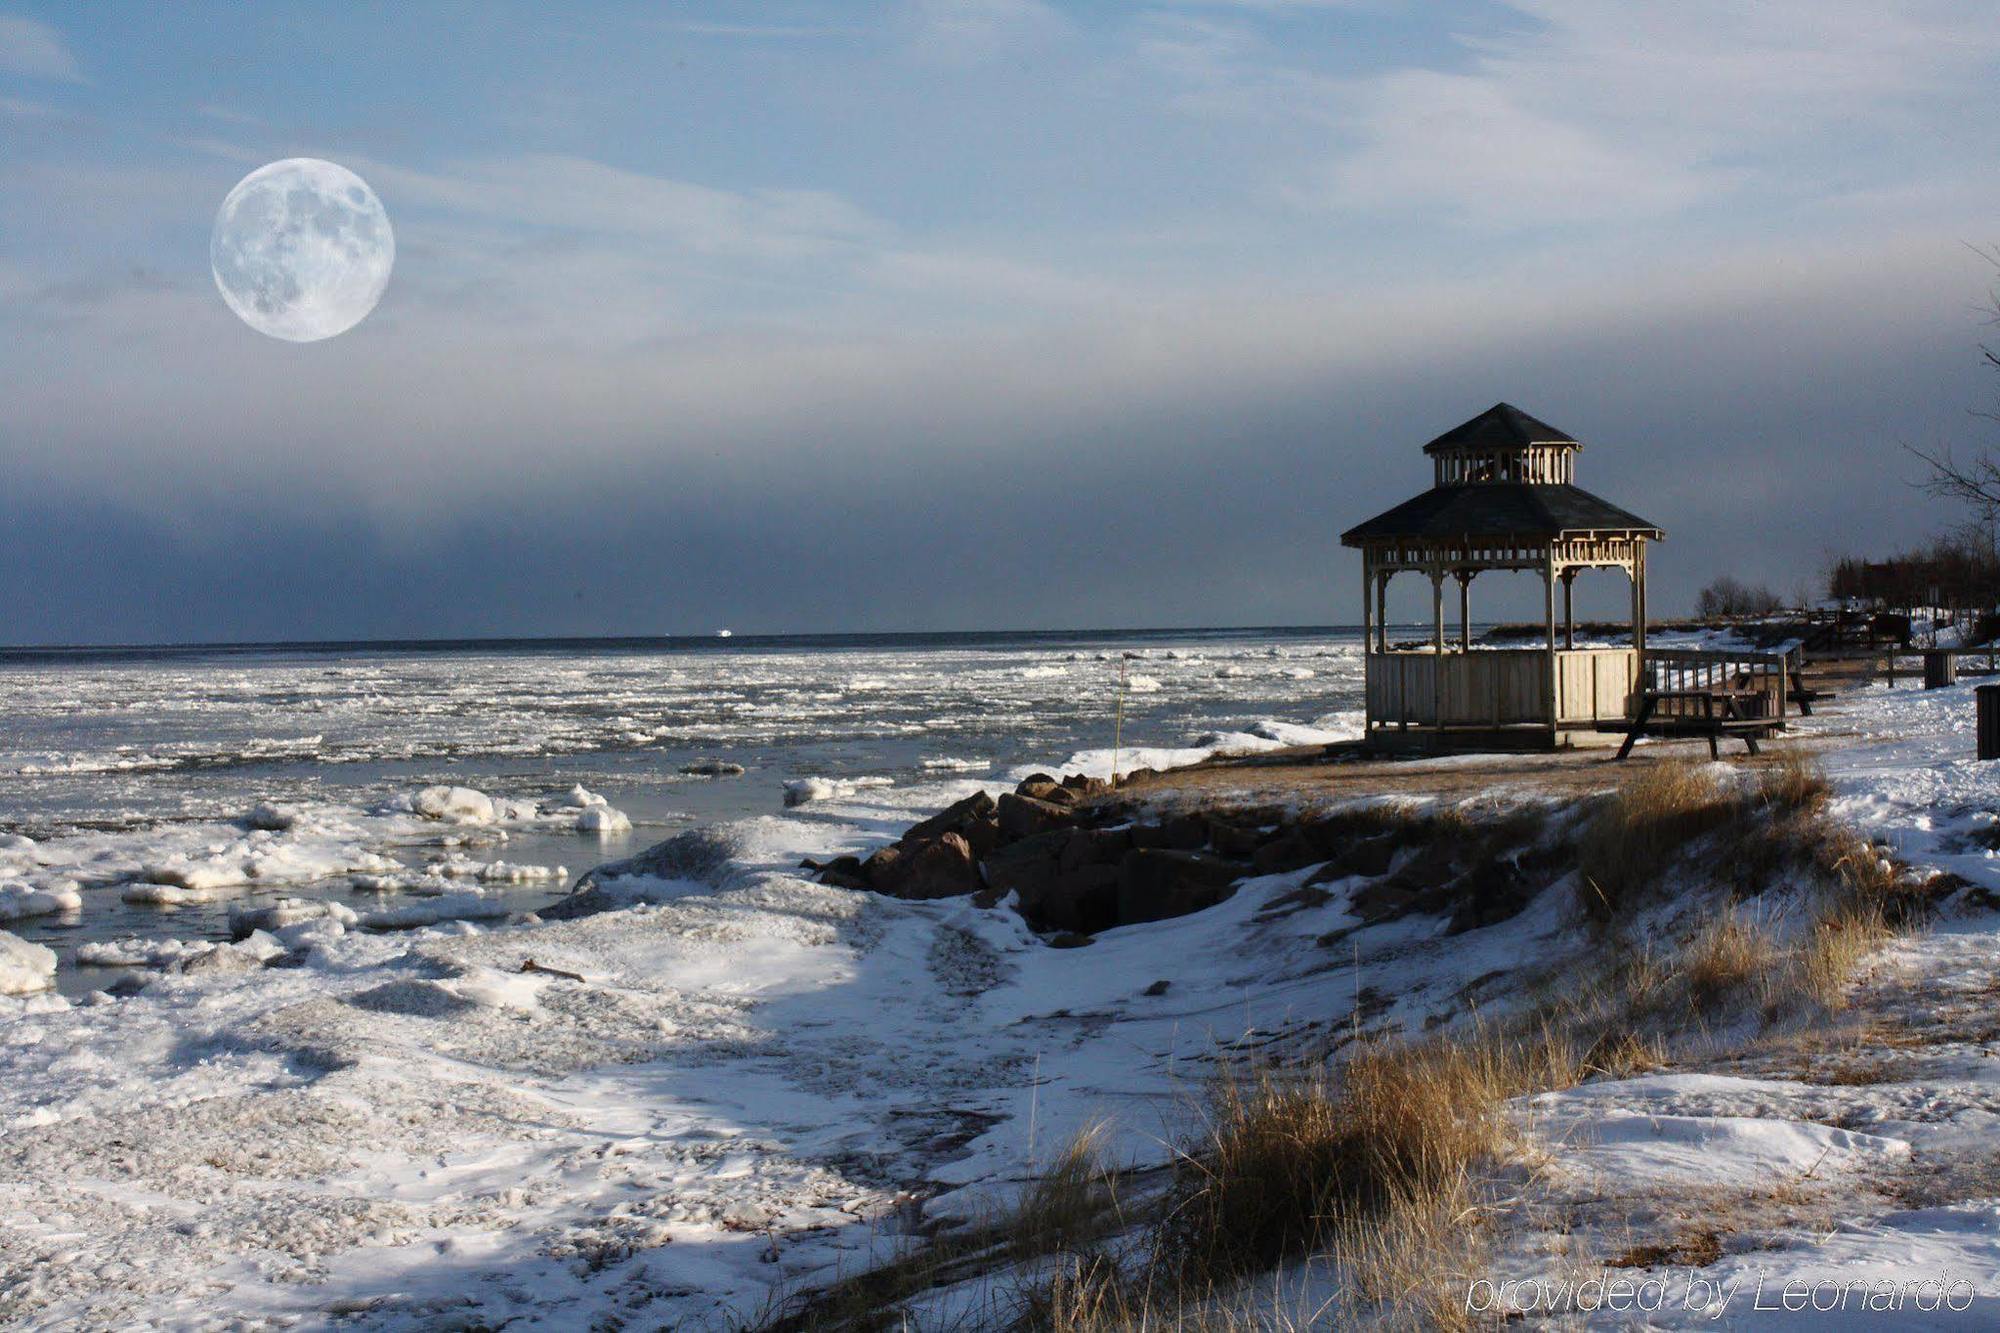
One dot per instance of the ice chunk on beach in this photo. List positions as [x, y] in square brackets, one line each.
[19, 900]
[246, 919]
[1142, 685]
[137, 952]
[803, 791]
[603, 819]
[453, 805]
[152, 893]
[433, 911]
[25, 968]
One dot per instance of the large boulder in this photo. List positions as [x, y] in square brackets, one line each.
[1180, 833]
[1157, 883]
[1028, 867]
[971, 818]
[1024, 816]
[1090, 847]
[940, 867]
[1084, 900]
[1286, 852]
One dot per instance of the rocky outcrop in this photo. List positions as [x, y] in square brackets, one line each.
[1073, 859]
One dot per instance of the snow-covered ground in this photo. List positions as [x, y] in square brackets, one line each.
[759, 1084]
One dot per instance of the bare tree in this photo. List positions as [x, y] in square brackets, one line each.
[1974, 483]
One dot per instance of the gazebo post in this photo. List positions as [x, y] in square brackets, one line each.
[1437, 609]
[1552, 692]
[1367, 605]
[1437, 648]
[1465, 610]
[1382, 610]
[1569, 606]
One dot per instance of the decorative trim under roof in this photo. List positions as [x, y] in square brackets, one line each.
[1499, 510]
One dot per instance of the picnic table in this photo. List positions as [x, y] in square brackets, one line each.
[1709, 713]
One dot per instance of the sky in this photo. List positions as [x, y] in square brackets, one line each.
[809, 316]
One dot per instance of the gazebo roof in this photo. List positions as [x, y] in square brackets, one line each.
[1501, 426]
[1537, 512]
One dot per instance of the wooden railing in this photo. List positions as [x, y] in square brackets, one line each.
[1680, 670]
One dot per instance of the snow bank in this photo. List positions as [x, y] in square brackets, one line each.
[25, 968]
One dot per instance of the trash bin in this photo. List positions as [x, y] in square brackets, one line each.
[1940, 668]
[1989, 721]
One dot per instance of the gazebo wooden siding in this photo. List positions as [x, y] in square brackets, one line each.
[1504, 499]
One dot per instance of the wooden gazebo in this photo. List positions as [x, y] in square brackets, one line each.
[1504, 498]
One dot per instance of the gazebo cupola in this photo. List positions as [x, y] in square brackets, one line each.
[1504, 444]
[1505, 498]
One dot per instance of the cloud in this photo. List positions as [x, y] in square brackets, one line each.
[1592, 110]
[557, 191]
[967, 32]
[35, 50]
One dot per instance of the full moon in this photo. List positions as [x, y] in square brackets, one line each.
[302, 249]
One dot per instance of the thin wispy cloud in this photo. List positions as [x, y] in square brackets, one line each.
[35, 50]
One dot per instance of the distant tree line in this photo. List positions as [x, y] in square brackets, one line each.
[1729, 597]
[1961, 570]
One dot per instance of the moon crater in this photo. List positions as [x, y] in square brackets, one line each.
[302, 249]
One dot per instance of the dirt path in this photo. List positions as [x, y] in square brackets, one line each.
[1333, 774]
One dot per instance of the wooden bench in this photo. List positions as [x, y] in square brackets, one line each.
[1710, 714]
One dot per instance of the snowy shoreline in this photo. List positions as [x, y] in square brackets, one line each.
[737, 1099]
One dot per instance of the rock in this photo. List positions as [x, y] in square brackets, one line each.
[1034, 780]
[1490, 894]
[1369, 856]
[953, 818]
[1156, 883]
[943, 867]
[1085, 899]
[1288, 851]
[713, 768]
[271, 817]
[1157, 989]
[1087, 847]
[705, 855]
[1070, 939]
[880, 870]
[1028, 867]
[1181, 833]
[1235, 840]
[1085, 785]
[1024, 816]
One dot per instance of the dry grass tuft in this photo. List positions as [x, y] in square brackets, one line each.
[1640, 829]
[1724, 962]
[1071, 1204]
[1794, 783]
[1371, 1162]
